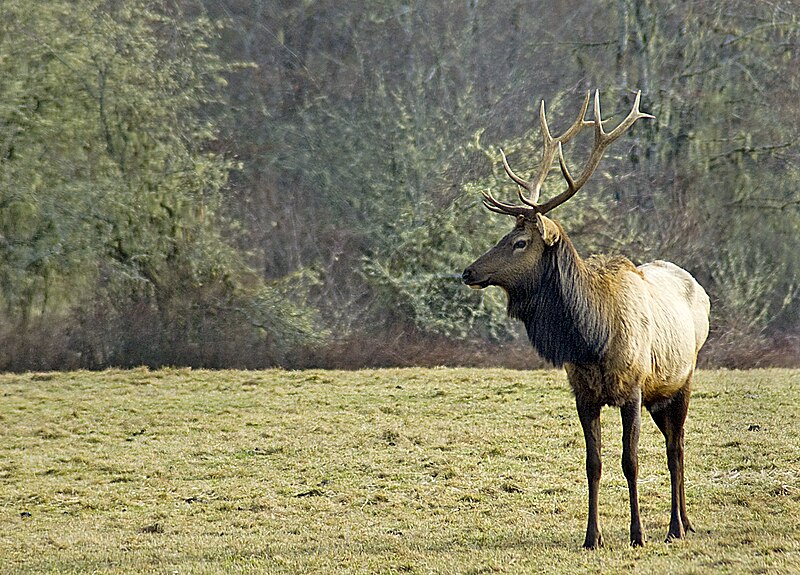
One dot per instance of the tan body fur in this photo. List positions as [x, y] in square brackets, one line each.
[660, 314]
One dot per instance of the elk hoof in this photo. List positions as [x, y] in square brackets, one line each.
[674, 534]
[592, 542]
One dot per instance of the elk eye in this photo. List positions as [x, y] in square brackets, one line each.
[520, 245]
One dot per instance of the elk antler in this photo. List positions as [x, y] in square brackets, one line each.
[552, 145]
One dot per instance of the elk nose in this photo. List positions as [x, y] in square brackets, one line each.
[467, 276]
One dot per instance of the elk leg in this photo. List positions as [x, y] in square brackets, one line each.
[670, 420]
[682, 408]
[631, 424]
[589, 414]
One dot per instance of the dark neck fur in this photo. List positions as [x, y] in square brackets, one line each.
[564, 321]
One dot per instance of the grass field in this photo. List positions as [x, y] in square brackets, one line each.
[388, 471]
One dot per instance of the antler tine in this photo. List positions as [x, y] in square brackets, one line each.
[580, 122]
[510, 172]
[601, 141]
[494, 205]
[564, 170]
[629, 120]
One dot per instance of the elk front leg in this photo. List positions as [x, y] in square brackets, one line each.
[589, 414]
[631, 424]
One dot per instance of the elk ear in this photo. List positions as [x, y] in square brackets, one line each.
[548, 229]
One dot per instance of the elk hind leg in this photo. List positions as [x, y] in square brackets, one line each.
[670, 419]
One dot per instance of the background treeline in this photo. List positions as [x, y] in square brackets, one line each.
[235, 183]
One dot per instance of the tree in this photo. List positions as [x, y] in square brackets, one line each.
[111, 191]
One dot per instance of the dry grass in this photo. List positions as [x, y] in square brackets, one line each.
[386, 471]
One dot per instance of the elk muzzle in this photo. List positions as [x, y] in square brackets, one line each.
[473, 279]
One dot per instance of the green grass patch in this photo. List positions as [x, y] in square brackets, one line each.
[387, 471]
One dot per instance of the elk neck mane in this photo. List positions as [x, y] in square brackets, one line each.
[564, 304]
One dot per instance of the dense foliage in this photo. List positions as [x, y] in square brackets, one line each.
[111, 235]
[233, 183]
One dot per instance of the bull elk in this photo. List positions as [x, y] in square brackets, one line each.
[626, 335]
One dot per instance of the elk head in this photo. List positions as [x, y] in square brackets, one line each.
[518, 252]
